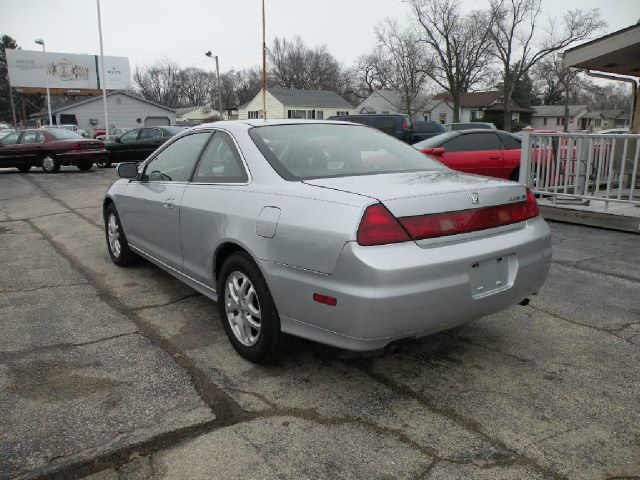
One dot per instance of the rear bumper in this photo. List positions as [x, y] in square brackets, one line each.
[72, 157]
[397, 291]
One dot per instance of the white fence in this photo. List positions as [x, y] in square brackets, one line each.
[580, 166]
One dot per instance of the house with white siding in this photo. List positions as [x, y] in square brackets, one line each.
[551, 117]
[390, 102]
[288, 103]
[125, 111]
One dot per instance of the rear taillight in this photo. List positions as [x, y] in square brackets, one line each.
[77, 146]
[532, 205]
[464, 221]
[404, 124]
[379, 227]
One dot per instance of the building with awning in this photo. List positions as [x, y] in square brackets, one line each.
[617, 53]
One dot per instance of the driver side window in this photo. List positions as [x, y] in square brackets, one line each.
[130, 136]
[175, 162]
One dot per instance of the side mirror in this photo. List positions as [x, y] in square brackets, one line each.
[128, 170]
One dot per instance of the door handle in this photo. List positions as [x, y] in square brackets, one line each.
[168, 203]
[494, 157]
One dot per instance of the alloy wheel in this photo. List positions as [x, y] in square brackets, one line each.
[48, 163]
[113, 235]
[242, 308]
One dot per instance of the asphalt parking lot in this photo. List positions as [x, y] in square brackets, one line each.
[122, 374]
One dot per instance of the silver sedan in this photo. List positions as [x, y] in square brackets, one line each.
[330, 231]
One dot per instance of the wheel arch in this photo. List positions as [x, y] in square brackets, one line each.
[224, 251]
[105, 204]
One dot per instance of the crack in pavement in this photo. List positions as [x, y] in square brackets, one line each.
[466, 423]
[61, 346]
[578, 266]
[612, 332]
[171, 302]
[226, 410]
[43, 287]
[64, 204]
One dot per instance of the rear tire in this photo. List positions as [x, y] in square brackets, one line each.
[238, 301]
[515, 176]
[117, 244]
[24, 168]
[50, 164]
[84, 166]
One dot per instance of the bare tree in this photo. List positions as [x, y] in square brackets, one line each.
[513, 35]
[160, 82]
[406, 59]
[559, 79]
[292, 64]
[370, 72]
[460, 45]
[195, 86]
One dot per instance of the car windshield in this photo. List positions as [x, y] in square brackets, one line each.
[61, 134]
[305, 151]
[436, 140]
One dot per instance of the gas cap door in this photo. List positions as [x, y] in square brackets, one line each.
[268, 222]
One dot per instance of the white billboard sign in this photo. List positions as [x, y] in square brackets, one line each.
[65, 70]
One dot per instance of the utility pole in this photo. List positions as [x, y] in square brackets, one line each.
[13, 109]
[264, 65]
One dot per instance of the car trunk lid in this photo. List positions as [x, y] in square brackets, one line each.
[422, 193]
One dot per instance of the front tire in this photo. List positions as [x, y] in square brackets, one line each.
[50, 164]
[106, 163]
[247, 311]
[117, 244]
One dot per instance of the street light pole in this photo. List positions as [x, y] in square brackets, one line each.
[40, 41]
[104, 77]
[215, 57]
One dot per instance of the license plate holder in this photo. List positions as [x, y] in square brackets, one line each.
[489, 276]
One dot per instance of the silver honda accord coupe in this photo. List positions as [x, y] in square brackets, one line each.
[330, 231]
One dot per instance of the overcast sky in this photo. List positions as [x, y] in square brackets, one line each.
[148, 30]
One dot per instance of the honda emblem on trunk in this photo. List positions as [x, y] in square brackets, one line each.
[474, 197]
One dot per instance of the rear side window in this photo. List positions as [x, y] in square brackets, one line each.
[427, 127]
[30, 137]
[473, 142]
[150, 134]
[383, 123]
[220, 162]
[510, 142]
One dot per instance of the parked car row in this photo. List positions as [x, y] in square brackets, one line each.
[49, 149]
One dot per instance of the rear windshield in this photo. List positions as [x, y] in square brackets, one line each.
[305, 151]
[62, 134]
[436, 140]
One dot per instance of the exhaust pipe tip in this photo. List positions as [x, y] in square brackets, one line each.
[525, 302]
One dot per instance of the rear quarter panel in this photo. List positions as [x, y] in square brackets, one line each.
[310, 233]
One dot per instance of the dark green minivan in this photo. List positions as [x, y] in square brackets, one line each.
[397, 125]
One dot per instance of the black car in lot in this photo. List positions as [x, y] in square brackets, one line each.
[396, 125]
[137, 144]
[423, 129]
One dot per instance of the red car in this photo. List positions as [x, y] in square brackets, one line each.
[49, 149]
[493, 153]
